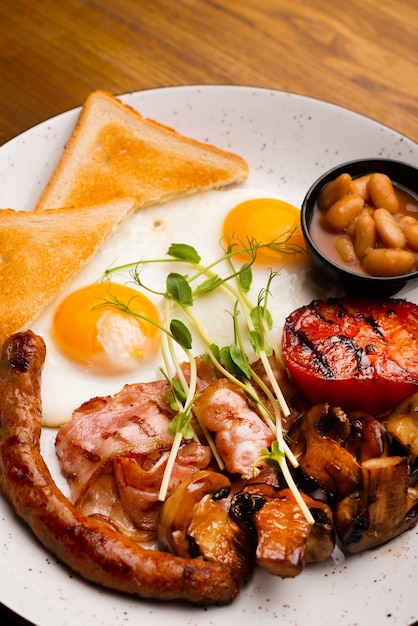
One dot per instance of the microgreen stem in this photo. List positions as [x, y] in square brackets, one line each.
[169, 467]
[298, 496]
[275, 426]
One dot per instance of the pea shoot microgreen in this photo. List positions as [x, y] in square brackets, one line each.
[232, 361]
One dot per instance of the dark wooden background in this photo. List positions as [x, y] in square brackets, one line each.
[360, 54]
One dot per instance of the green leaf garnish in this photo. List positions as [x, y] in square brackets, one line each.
[240, 359]
[181, 424]
[255, 340]
[178, 391]
[235, 361]
[245, 277]
[260, 316]
[181, 334]
[274, 456]
[215, 351]
[208, 285]
[178, 288]
[184, 252]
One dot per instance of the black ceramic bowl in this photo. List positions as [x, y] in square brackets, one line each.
[350, 281]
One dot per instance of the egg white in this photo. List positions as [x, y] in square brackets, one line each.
[195, 220]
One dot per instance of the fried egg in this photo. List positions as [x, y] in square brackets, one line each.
[267, 221]
[85, 359]
[90, 330]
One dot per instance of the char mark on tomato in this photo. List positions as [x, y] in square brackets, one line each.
[313, 351]
[359, 353]
[348, 345]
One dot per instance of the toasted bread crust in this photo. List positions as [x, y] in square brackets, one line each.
[115, 152]
[40, 252]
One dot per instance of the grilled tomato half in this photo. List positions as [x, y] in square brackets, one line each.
[354, 352]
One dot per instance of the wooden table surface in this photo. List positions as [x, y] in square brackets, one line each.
[361, 54]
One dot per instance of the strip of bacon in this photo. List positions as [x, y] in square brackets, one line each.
[133, 422]
[240, 433]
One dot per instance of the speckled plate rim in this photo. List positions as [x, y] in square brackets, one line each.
[288, 140]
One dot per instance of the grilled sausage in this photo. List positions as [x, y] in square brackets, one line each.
[94, 550]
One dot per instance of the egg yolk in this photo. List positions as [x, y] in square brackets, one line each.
[92, 332]
[265, 221]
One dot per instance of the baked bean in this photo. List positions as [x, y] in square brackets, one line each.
[404, 220]
[411, 235]
[343, 211]
[388, 229]
[333, 191]
[388, 262]
[351, 228]
[382, 193]
[364, 234]
[359, 186]
[345, 249]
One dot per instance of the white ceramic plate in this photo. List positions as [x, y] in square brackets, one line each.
[288, 141]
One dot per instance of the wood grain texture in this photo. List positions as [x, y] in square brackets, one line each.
[361, 54]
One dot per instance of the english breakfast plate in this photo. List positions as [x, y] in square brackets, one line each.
[288, 141]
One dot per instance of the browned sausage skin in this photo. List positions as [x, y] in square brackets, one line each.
[95, 551]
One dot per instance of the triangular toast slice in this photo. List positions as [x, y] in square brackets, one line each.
[115, 152]
[40, 252]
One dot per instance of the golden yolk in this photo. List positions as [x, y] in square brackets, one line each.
[108, 340]
[265, 220]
